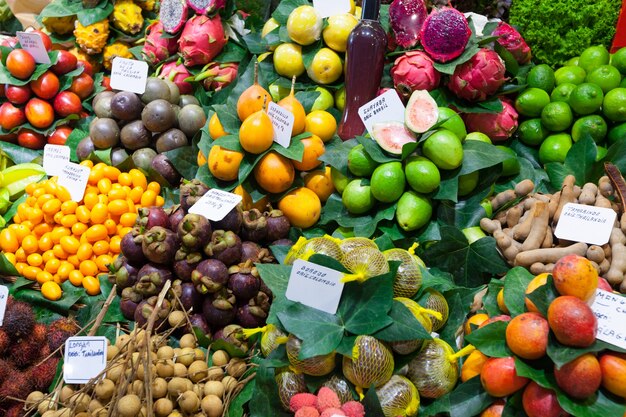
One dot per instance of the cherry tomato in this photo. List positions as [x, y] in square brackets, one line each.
[60, 134]
[39, 113]
[67, 62]
[11, 116]
[18, 94]
[46, 86]
[66, 103]
[20, 64]
[82, 85]
[29, 139]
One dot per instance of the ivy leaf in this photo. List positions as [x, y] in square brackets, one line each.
[335, 154]
[235, 406]
[436, 279]
[265, 401]
[580, 162]
[232, 52]
[276, 277]
[364, 306]
[371, 403]
[61, 8]
[404, 327]
[490, 339]
[367, 229]
[65, 80]
[517, 279]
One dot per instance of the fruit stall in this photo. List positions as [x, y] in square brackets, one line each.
[361, 208]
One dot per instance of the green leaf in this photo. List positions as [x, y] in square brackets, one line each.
[456, 317]
[517, 279]
[101, 155]
[543, 296]
[295, 150]
[18, 154]
[88, 17]
[468, 399]
[490, 339]
[467, 212]
[436, 279]
[285, 8]
[307, 98]
[6, 267]
[375, 151]
[13, 209]
[561, 354]
[580, 162]
[230, 142]
[185, 161]
[309, 52]
[265, 401]
[276, 277]
[65, 80]
[227, 116]
[235, 407]
[61, 8]
[478, 155]
[232, 52]
[512, 66]
[490, 300]
[364, 306]
[470, 50]
[232, 350]
[335, 154]
[367, 229]
[404, 327]
[371, 403]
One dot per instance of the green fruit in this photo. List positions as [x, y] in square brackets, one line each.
[472, 234]
[562, 92]
[358, 198]
[421, 112]
[531, 101]
[541, 76]
[570, 74]
[278, 93]
[557, 116]
[467, 183]
[360, 163]
[422, 174]
[617, 132]
[479, 136]
[453, 122]
[586, 98]
[388, 182]
[339, 180]
[408, 279]
[511, 165]
[371, 362]
[602, 151]
[340, 98]
[444, 148]
[618, 60]
[592, 57]
[614, 105]
[486, 204]
[606, 76]
[414, 211]
[593, 126]
[324, 101]
[532, 132]
[554, 148]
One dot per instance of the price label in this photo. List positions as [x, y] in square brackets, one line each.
[74, 177]
[85, 358]
[215, 204]
[327, 8]
[610, 310]
[314, 285]
[282, 120]
[129, 75]
[54, 158]
[387, 107]
[589, 224]
[33, 44]
[4, 296]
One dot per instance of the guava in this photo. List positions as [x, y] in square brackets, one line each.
[392, 136]
[421, 112]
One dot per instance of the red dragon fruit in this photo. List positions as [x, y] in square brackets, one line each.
[173, 14]
[406, 18]
[414, 71]
[157, 47]
[202, 40]
[216, 76]
[177, 73]
[445, 34]
[511, 40]
[498, 126]
[478, 78]
[206, 6]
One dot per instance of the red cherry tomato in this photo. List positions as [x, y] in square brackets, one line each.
[65, 63]
[11, 116]
[18, 94]
[82, 86]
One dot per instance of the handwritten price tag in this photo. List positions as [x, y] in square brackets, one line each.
[314, 285]
[74, 177]
[610, 310]
[215, 204]
[327, 8]
[282, 120]
[54, 158]
[85, 358]
[387, 107]
[4, 296]
[129, 75]
[588, 224]
[33, 44]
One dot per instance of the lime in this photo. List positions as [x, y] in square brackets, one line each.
[618, 60]
[453, 122]
[277, 92]
[479, 136]
[486, 204]
[602, 151]
[414, 211]
[532, 132]
[562, 92]
[422, 175]
[616, 133]
[606, 76]
[614, 105]
[324, 100]
[570, 74]
[444, 148]
[541, 76]
[623, 83]
[358, 198]
[554, 148]
[557, 116]
[511, 165]
[573, 61]
[531, 101]
[586, 98]
[388, 182]
[467, 183]
[339, 180]
[593, 126]
[593, 57]
[360, 163]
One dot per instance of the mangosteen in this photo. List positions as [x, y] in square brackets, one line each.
[189, 297]
[210, 276]
[278, 225]
[219, 308]
[232, 221]
[282, 242]
[198, 321]
[190, 193]
[165, 168]
[244, 281]
[176, 214]
[184, 268]
[194, 231]
[149, 217]
[261, 300]
[251, 316]
[159, 245]
[233, 334]
[254, 225]
[145, 308]
[130, 301]
[123, 274]
[252, 251]
[265, 289]
[151, 278]
[224, 246]
[186, 254]
[131, 249]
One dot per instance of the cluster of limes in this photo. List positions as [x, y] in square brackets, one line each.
[584, 98]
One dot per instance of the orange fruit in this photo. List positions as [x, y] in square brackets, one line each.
[274, 173]
[201, 159]
[224, 163]
[494, 410]
[613, 367]
[302, 207]
[256, 133]
[500, 300]
[476, 319]
[51, 290]
[320, 182]
[321, 123]
[472, 365]
[216, 130]
[253, 99]
[527, 335]
[91, 285]
[536, 282]
[246, 200]
[292, 104]
[313, 149]
[499, 377]
[575, 275]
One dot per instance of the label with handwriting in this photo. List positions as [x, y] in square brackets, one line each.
[283, 120]
[129, 75]
[315, 286]
[85, 358]
[215, 204]
[54, 158]
[610, 310]
[33, 44]
[4, 296]
[582, 223]
[387, 107]
[327, 8]
[74, 177]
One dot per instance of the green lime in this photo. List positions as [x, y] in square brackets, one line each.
[358, 198]
[573, 61]
[324, 100]
[360, 163]
[614, 105]
[453, 122]
[413, 211]
[467, 183]
[616, 133]
[511, 165]
[541, 76]
[618, 60]
[593, 57]
[570, 74]
[444, 148]
[562, 92]
[622, 84]
[339, 180]
[388, 182]
[557, 116]
[554, 148]
[531, 101]
[593, 126]
[422, 175]
[532, 132]
[586, 98]
[606, 76]
[479, 136]
[602, 151]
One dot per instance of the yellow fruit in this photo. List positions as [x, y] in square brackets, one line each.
[302, 207]
[292, 104]
[399, 397]
[256, 133]
[288, 60]
[147, 5]
[246, 200]
[216, 130]
[274, 173]
[127, 16]
[253, 99]
[321, 123]
[224, 163]
[320, 182]
[326, 67]
[336, 33]
[316, 365]
[114, 50]
[92, 38]
[51, 290]
[82, 56]
[305, 248]
[61, 25]
[304, 25]
[313, 149]
[201, 158]
[371, 363]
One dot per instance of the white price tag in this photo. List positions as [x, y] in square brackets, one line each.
[54, 158]
[215, 204]
[314, 285]
[327, 8]
[610, 310]
[282, 120]
[129, 75]
[33, 44]
[4, 296]
[74, 177]
[582, 223]
[387, 107]
[85, 358]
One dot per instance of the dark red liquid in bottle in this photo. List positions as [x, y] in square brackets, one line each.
[365, 57]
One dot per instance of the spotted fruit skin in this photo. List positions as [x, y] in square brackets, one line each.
[127, 16]
[92, 39]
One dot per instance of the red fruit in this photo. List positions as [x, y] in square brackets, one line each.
[541, 402]
[46, 86]
[82, 85]
[603, 284]
[106, 83]
[11, 138]
[66, 103]
[11, 116]
[499, 377]
[20, 64]
[527, 335]
[29, 139]
[60, 135]
[47, 42]
[501, 317]
[2, 94]
[613, 367]
[18, 94]
[88, 68]
[39, 113]
[67, 62]
[581, 377]
[572, 321]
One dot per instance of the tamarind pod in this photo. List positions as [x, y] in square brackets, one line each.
[615, 274]
[501, 217]
[617, 180]
[595, 254]
[522, 229]
[576, 192]
[567, 196]
[507, 246]
[607, 250]
[524, 188]
[490, 226]
[548, 241]
[513, 215]
[509, 232]
[605, 186]
[588, 194]
[502, 198]
[622, 222]
[604, 266]
[543, 197]
[528, 202]
[554, 203]
[550, 255]
[617, 236]
[539, 268]
[602, 201]
[539, 227]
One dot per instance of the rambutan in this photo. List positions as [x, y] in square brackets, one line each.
[16, 410]
[7, 369]
[40, 333]
[59, 331]
[42, 375]
[4, 341]
[67, 324]
[25, 352]
[18, 386]
[19, 319]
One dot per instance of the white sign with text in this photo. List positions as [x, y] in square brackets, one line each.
[215, 204]
[129, 75]
[582, 223]
[315, 286]
[4, 296]
[74, 177]
[33, 44]
[610, 310]
[283, 121]
[387, 107]
[54, 158]
[327, 8]
[85, 358]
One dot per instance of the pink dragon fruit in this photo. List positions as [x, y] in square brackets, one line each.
[216, 76]
[478, 78]
[445, 34]
[202, 40]
[498, 126]
[157, 47]
[177, 73]
[511, 40]
[406, 18]
[206, 6]
[173, 14]
[414, 71]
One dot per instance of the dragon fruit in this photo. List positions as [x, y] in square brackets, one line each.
[216, 76]
[478, 78]
[498, 126]
[173, 14]
[177, 73]
[406, 18]
[445, 34]
[414, 71]
[158, 48]
[206, 6]
[511, 40]
[202, 40]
